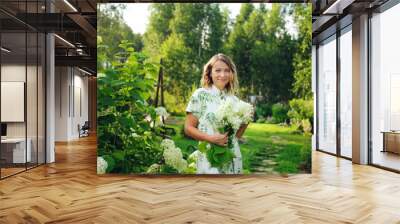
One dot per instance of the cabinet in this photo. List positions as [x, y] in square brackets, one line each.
[391, 142]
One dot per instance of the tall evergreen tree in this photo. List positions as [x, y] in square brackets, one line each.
[239, 47]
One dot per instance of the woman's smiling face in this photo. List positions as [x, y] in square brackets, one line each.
[221, 74]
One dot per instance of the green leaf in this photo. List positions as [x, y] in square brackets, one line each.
[110, 162]
[118, 155]
[168, 169]
[191, 169]
[219, 157]
[203, 146]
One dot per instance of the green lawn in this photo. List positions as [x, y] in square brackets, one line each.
[269, 148]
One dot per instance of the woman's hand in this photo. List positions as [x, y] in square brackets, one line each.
[218, 139]
[192, 131]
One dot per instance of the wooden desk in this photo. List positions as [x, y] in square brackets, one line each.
[391, 141]
[13, 150]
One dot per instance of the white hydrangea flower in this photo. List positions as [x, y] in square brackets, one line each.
[181, 165]
[234, 113]
[167, 143]
[235, 122]
[245, 111]
[155, 168]
[224, 110]
[147, 118]
[101, 165]
[172, 156]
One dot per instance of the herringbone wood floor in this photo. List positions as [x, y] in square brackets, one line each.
[69, 191]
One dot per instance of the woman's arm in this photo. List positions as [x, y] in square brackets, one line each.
[192, 131]
[241, 130]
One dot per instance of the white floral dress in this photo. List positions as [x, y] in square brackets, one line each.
[203, 104]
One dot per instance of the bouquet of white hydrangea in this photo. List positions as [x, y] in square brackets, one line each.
[232, 114]
[101, 165]
[229, 117]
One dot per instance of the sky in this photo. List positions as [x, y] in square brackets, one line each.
[136, 15]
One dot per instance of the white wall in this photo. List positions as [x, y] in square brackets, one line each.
[80, 100]
[34, 125]
[71, 87]
[62, 81]
[14, 72]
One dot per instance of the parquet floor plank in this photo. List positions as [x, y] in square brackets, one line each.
[70, 191]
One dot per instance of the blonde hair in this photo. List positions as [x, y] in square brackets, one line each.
[206, 80]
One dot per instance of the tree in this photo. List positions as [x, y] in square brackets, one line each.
[302, 61]
[263, 51]
[185, 36]
[179, 74]
[158, 29]
[239, 46]
[113, 30]
[203, 28]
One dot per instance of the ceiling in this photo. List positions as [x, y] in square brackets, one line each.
[330, 15]
[74, 22]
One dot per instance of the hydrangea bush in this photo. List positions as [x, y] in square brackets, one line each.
[173, 161]
[126, 140]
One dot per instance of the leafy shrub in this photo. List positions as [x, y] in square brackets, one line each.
[176, 100]
[301, 109]
[125, 137]
[301, 114]
[279, 112]
[174, 105]
[270, 120]
[306, 126]
[263, 110]
[261, 120]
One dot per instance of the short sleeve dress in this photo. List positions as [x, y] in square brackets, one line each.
[203, 104]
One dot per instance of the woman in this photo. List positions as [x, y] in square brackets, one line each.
[219, 81]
